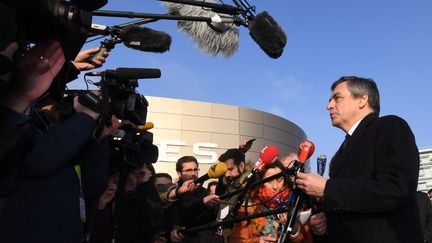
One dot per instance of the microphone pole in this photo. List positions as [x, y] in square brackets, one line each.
[123, 14]
[298, 201]
[231, 221]
[215, 7]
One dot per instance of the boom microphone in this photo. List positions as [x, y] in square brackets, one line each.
[145, 39]
[217, 170]
[128, 73]
[132, 36]
[321, 163]
[213, 38]
[267, 34]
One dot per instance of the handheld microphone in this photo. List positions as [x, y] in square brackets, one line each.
[215, 171]
[321, 164]
[268, 155]
[146, 126]
[128, 73]
[267, 34]
[305, 150]
[213, 38]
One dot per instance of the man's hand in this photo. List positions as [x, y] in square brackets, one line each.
[186, 187]
[319, 223]
[311, 184]
[34, 74]
[81, 60]
[107, 130]
[211, 201]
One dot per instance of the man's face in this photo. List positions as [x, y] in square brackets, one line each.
[343, 107]
[189, 171]
[430, 196]
[233, 171]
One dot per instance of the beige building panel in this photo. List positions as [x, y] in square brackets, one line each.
[274, 134]
[250, 115]
[192, 137]
[167, 121]
[195, 123]
[225, 126]
[165, 134]
[196, 108]
[225, 111]
[251, 129]
[166, 105]
[225, 141]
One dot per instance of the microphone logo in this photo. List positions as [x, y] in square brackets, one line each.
[321, 163]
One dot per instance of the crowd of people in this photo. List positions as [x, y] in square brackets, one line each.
[56, 183]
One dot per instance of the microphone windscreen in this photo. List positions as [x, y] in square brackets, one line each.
[267, 34]
[217, 170]
[145, 39]
[221, 38]
[269, 154]
[305, 150]
[136, 73]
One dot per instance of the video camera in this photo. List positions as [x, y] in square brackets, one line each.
[32, 20]
[132, 145]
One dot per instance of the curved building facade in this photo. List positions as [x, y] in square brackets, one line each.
[206, 130]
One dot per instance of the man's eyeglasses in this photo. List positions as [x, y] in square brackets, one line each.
[190, 171]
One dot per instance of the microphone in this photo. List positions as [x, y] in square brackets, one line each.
[128, 73]
[213, 38]
[267, 34]
[146, 126]
[321, 163]
[305, 150]
[132, 36]
[145, 39]
[268, 155]
[215, 171]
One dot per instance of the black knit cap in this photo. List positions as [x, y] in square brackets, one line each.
[236, 154]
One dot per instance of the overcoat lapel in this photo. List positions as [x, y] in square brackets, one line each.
[345, 150]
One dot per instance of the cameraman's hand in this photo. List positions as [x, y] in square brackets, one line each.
[34, 74]
[80, 108]
[81, 60]
[107, 130]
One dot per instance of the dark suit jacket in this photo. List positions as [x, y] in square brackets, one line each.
[425, 208]
[371, 194]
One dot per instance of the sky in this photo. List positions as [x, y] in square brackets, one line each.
[389, 41]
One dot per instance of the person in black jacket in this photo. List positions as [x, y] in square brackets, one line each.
[371, 193]
[195, 208]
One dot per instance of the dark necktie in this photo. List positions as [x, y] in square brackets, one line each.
[345, 142]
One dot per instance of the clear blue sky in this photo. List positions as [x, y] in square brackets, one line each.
[387, 40]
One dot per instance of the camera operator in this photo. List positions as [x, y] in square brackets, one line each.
[30, 79]
[46, 204]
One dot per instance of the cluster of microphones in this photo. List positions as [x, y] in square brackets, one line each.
[268, 156]
[213, 26]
